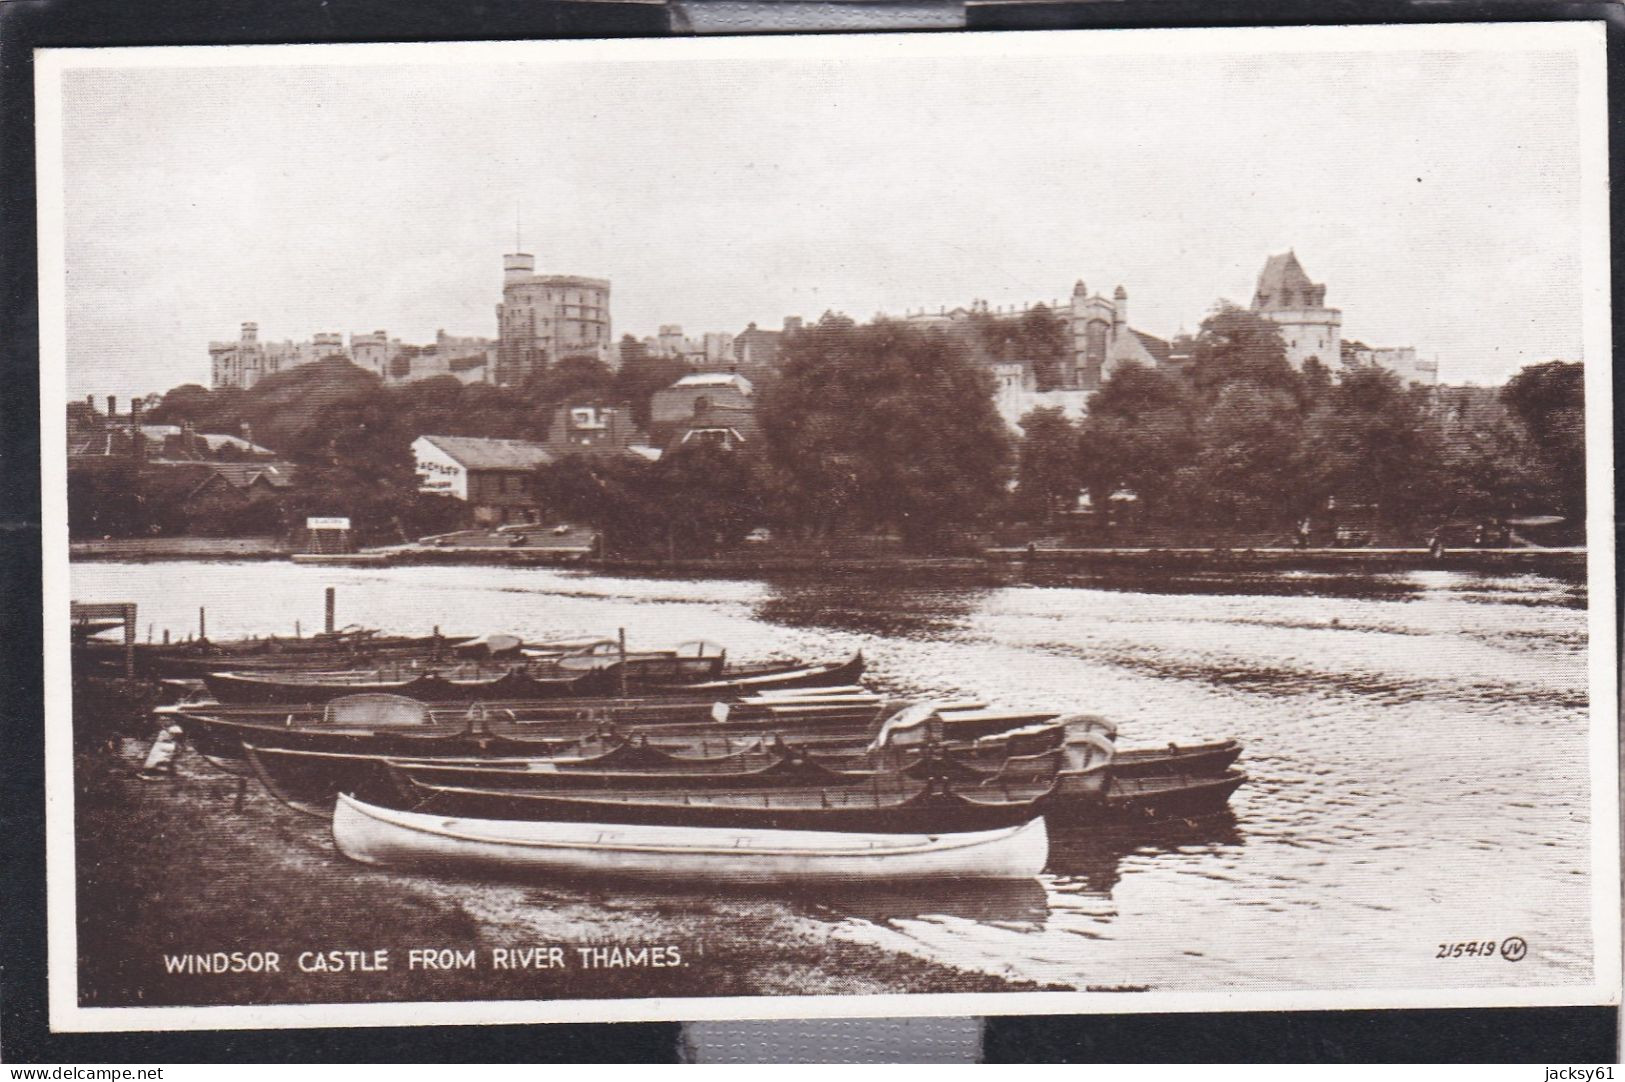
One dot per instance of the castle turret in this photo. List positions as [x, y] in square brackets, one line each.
[1119, 308]
[1287, 297]
[251, 333]
[517, 267]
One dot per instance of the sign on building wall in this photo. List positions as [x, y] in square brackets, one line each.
[327, 523]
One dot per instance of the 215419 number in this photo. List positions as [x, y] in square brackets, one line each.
[1476, 948]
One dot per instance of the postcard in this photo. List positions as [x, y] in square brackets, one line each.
[828, 526]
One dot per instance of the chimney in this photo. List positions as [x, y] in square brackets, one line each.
[90, 400]
[112, 406]
[248, 432]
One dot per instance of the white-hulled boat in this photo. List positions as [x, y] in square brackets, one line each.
[374, 835]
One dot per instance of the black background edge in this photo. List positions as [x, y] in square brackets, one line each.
[1551, 1035]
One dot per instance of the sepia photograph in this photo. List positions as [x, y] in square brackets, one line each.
[828, 526]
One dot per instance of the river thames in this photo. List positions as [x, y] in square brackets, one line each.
[1417, 748]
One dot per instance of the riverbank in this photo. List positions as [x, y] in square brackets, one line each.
[202, 862]
[759, 561]
[180, 548]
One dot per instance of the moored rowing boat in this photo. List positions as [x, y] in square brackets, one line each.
[375, 835]
[591, 675]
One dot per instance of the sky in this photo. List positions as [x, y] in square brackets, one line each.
[1435, 193]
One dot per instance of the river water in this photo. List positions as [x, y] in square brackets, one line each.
[1416, 746]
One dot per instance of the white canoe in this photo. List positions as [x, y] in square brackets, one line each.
[373, 835]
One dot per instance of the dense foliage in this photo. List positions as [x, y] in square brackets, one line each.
[696, 500]
[1246, 442]
[888, 428]
[884, 427]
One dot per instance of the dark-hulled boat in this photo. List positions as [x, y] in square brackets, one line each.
[1172, 796]
[531, 679]
[1189, 758]
[388, 725]
[890, 805]
[314, 778]
[345, 649]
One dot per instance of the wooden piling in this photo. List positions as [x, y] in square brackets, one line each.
[129, 642]
[202, 623]
[621, 635]
[330, 610]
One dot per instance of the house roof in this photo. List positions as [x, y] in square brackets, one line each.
[475, 453]
[716, 379]
[245, 474]
[1157, 347]
[114, 439]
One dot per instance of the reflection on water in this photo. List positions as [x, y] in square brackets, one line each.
[1089, 860]
[870, 605]
[1258, 583]
[1416, 746]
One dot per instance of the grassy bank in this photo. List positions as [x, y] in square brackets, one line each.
[200, 863]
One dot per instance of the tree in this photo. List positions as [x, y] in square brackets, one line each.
[708, 497]
[1549, 399]
[1234, 345]
[612, 494]
[1486, 467]
[641, 375]
[1044, 338]
[1047, 479]
[885, 426]
[1138, 431]
[569, 378]
[1374, 443]
[190, 402]
[1247, 469]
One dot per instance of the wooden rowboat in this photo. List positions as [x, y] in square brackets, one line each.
[889, 805]
[308, 780]
[389, 725]
[1161, 797]
[1188, 758]
[376, 835]
[592, 675]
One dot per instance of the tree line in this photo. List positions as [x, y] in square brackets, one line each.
[349, 437]
[1244, 441]
[888, 428]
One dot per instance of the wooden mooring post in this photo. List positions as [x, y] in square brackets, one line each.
[129, 641]
[330, 610]
[622, 666]
[202, 623]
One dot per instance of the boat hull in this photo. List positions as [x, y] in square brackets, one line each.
[1132, 798]
[380, 836]
[594, 677]
[893, 805]
[1192, 760]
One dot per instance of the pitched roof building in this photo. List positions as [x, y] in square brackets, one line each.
[495, 477]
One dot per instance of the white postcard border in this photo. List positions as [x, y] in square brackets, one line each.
[1585, 39]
